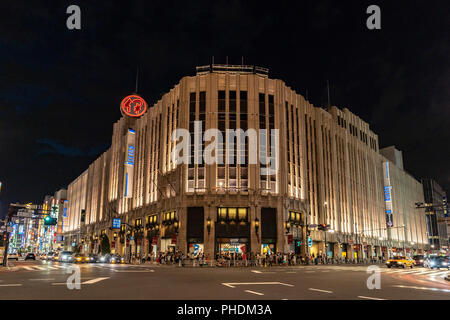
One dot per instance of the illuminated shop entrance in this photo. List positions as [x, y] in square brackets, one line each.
[195, 230]
[268, 230]
[232, 245]
[232, 231]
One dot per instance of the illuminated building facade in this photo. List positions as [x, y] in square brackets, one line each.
[329, 172]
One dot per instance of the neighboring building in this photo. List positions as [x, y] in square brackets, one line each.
[329, 172]
[52, 237]
[402, 191]
[436, 214]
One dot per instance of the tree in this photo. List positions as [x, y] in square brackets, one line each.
[105, 248]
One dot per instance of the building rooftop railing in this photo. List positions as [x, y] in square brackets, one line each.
[228, 68]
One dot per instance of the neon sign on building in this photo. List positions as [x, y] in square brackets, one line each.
[133, 106]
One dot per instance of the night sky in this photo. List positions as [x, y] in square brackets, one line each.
[60, 89]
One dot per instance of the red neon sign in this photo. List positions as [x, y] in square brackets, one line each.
[133, 106]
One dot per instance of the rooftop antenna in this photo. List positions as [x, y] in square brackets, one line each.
[328, 90]
[242, 61]
[137, 80]
[212, 59]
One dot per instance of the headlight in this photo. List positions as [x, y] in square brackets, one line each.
[444, 263]
[420, 260]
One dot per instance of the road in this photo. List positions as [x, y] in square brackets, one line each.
[47, 280]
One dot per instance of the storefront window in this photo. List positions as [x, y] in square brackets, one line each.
[232, 213]
[222, 214]
[242, 214]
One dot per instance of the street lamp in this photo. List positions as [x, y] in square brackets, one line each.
[176, 224]
[256, 225]
[287, 225]
[208, 225]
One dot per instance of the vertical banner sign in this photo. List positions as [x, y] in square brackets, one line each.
[388, 195]
[129, 164]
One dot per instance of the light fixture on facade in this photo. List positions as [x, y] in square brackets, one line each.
[208, 224]
[256, 225]
[287, 225]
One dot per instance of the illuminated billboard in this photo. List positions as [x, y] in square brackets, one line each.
[129, 164]
[388, 195]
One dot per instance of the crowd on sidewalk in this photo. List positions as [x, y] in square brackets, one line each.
[248, 259]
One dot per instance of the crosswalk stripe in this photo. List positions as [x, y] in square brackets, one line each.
[440, 273]
[413, 271]
[28, 268]
[428, 272]
[40, 268]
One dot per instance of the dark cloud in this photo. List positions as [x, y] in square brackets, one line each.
[53, 147]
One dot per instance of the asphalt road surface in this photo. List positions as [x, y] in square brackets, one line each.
[48, 280]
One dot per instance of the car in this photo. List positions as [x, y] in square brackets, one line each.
[437, 262]
[104, 258]
[418, 260]
[42, 256]
[13, 256]
[55, 257]
[115, 258]
[50, 255]
[30, 256]
[65, 256]
[93, 258]
[79, 258]
[400, 261]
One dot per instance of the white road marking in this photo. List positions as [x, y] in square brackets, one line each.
[326, 271]
[40, 268]
[11, 285]
[412, 271]
[370, 298]
[309, 271]
[440, 273]
[427, 272]
[319, 290]
[133, 270]
[234, 284]
[422, 288]
[254, 292]
[291, 272]
[95, 280]
[43, 279]
[256, 271]
[28, 268]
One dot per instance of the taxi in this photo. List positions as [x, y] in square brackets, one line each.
[400, 261]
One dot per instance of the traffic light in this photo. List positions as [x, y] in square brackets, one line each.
[49, 221]
[323, 226]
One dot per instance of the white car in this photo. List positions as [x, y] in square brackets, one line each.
[13, 256]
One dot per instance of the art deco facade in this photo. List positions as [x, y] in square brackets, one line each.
[330, 172]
